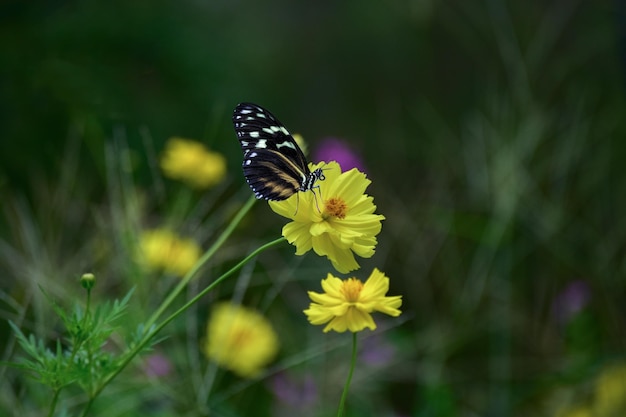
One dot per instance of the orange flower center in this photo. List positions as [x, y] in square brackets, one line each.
[240, 338]
[351, 289]
[336, 207]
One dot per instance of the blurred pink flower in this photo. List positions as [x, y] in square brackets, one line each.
[571, 301]
[333, 149]
[157, 365]
[298, 392]
[376, 351]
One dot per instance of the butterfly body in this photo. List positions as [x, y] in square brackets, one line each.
[273, 164]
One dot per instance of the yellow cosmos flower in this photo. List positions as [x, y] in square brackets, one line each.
[191, 162]
[575, 412]
[347, 304]
[336, 221]
[163, 250]
[304, 147]
[610, 391]
[240, 339]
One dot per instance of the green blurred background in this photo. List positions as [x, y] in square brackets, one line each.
[493, 132]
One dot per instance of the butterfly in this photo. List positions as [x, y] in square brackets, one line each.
[274, 165]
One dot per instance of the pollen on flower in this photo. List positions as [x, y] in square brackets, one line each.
[351, 289]
[336, 207]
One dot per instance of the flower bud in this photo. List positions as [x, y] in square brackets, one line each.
[88, 280]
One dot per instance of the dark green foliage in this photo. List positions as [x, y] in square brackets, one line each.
[493, 133]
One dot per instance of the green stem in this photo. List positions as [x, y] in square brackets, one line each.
[148, 337]
[86, 318]
[342, 403]
[170, 298]
[53, 405]
[217, 281]
[88, 406]
[83, 326]
[88, 306]
[207, 255]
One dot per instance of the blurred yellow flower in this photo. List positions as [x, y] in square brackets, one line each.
[336, 221]
[240, 339]
[581, 411]
[191, 162]
[163, 250]
[304, 147]
[347, 304]
[610, 391]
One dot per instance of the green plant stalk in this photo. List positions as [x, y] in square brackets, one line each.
[205, 257]
[219, 280]
[53, 404]
[76, 346]
[342, 403]
[88, 306]
[78, 342]
[86, 318]
[177, 313]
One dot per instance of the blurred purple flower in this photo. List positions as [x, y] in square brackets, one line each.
[333, 149]
[157, 365]
[376, 351]
[570, 301]
[295, 392]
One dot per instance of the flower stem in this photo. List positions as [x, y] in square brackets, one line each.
[88, 406]
[152, 333]
[205, 257]
[53, 405]
[217, 281]
[88, 305]
[342, 403]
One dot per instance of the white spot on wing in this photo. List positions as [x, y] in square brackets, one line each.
[254, 134]
[287, 144]
[262, 143]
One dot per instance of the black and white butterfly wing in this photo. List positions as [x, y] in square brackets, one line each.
[273, 164]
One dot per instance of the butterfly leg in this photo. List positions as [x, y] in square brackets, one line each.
[319, 190]
[297, 203]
